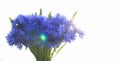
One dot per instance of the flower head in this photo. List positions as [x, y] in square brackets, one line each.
[41, 30]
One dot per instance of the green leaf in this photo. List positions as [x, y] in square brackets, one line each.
[35, 13]
[40, 11]
[49, 15]
[10, 20]
[73, 16]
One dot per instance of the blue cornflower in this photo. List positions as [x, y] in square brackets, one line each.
[41, 30]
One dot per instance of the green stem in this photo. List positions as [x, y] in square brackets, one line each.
[41, 54]
[57, 50]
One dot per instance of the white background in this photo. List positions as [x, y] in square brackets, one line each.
[99, 19]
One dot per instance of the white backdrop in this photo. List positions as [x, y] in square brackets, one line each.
[99, 19]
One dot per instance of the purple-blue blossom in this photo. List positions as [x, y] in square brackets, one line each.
[41, 30]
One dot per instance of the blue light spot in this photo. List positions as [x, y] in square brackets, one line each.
[43, 37]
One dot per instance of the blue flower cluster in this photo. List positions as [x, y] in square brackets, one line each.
[41, 30]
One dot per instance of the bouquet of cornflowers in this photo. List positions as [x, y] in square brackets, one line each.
[45, 36]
